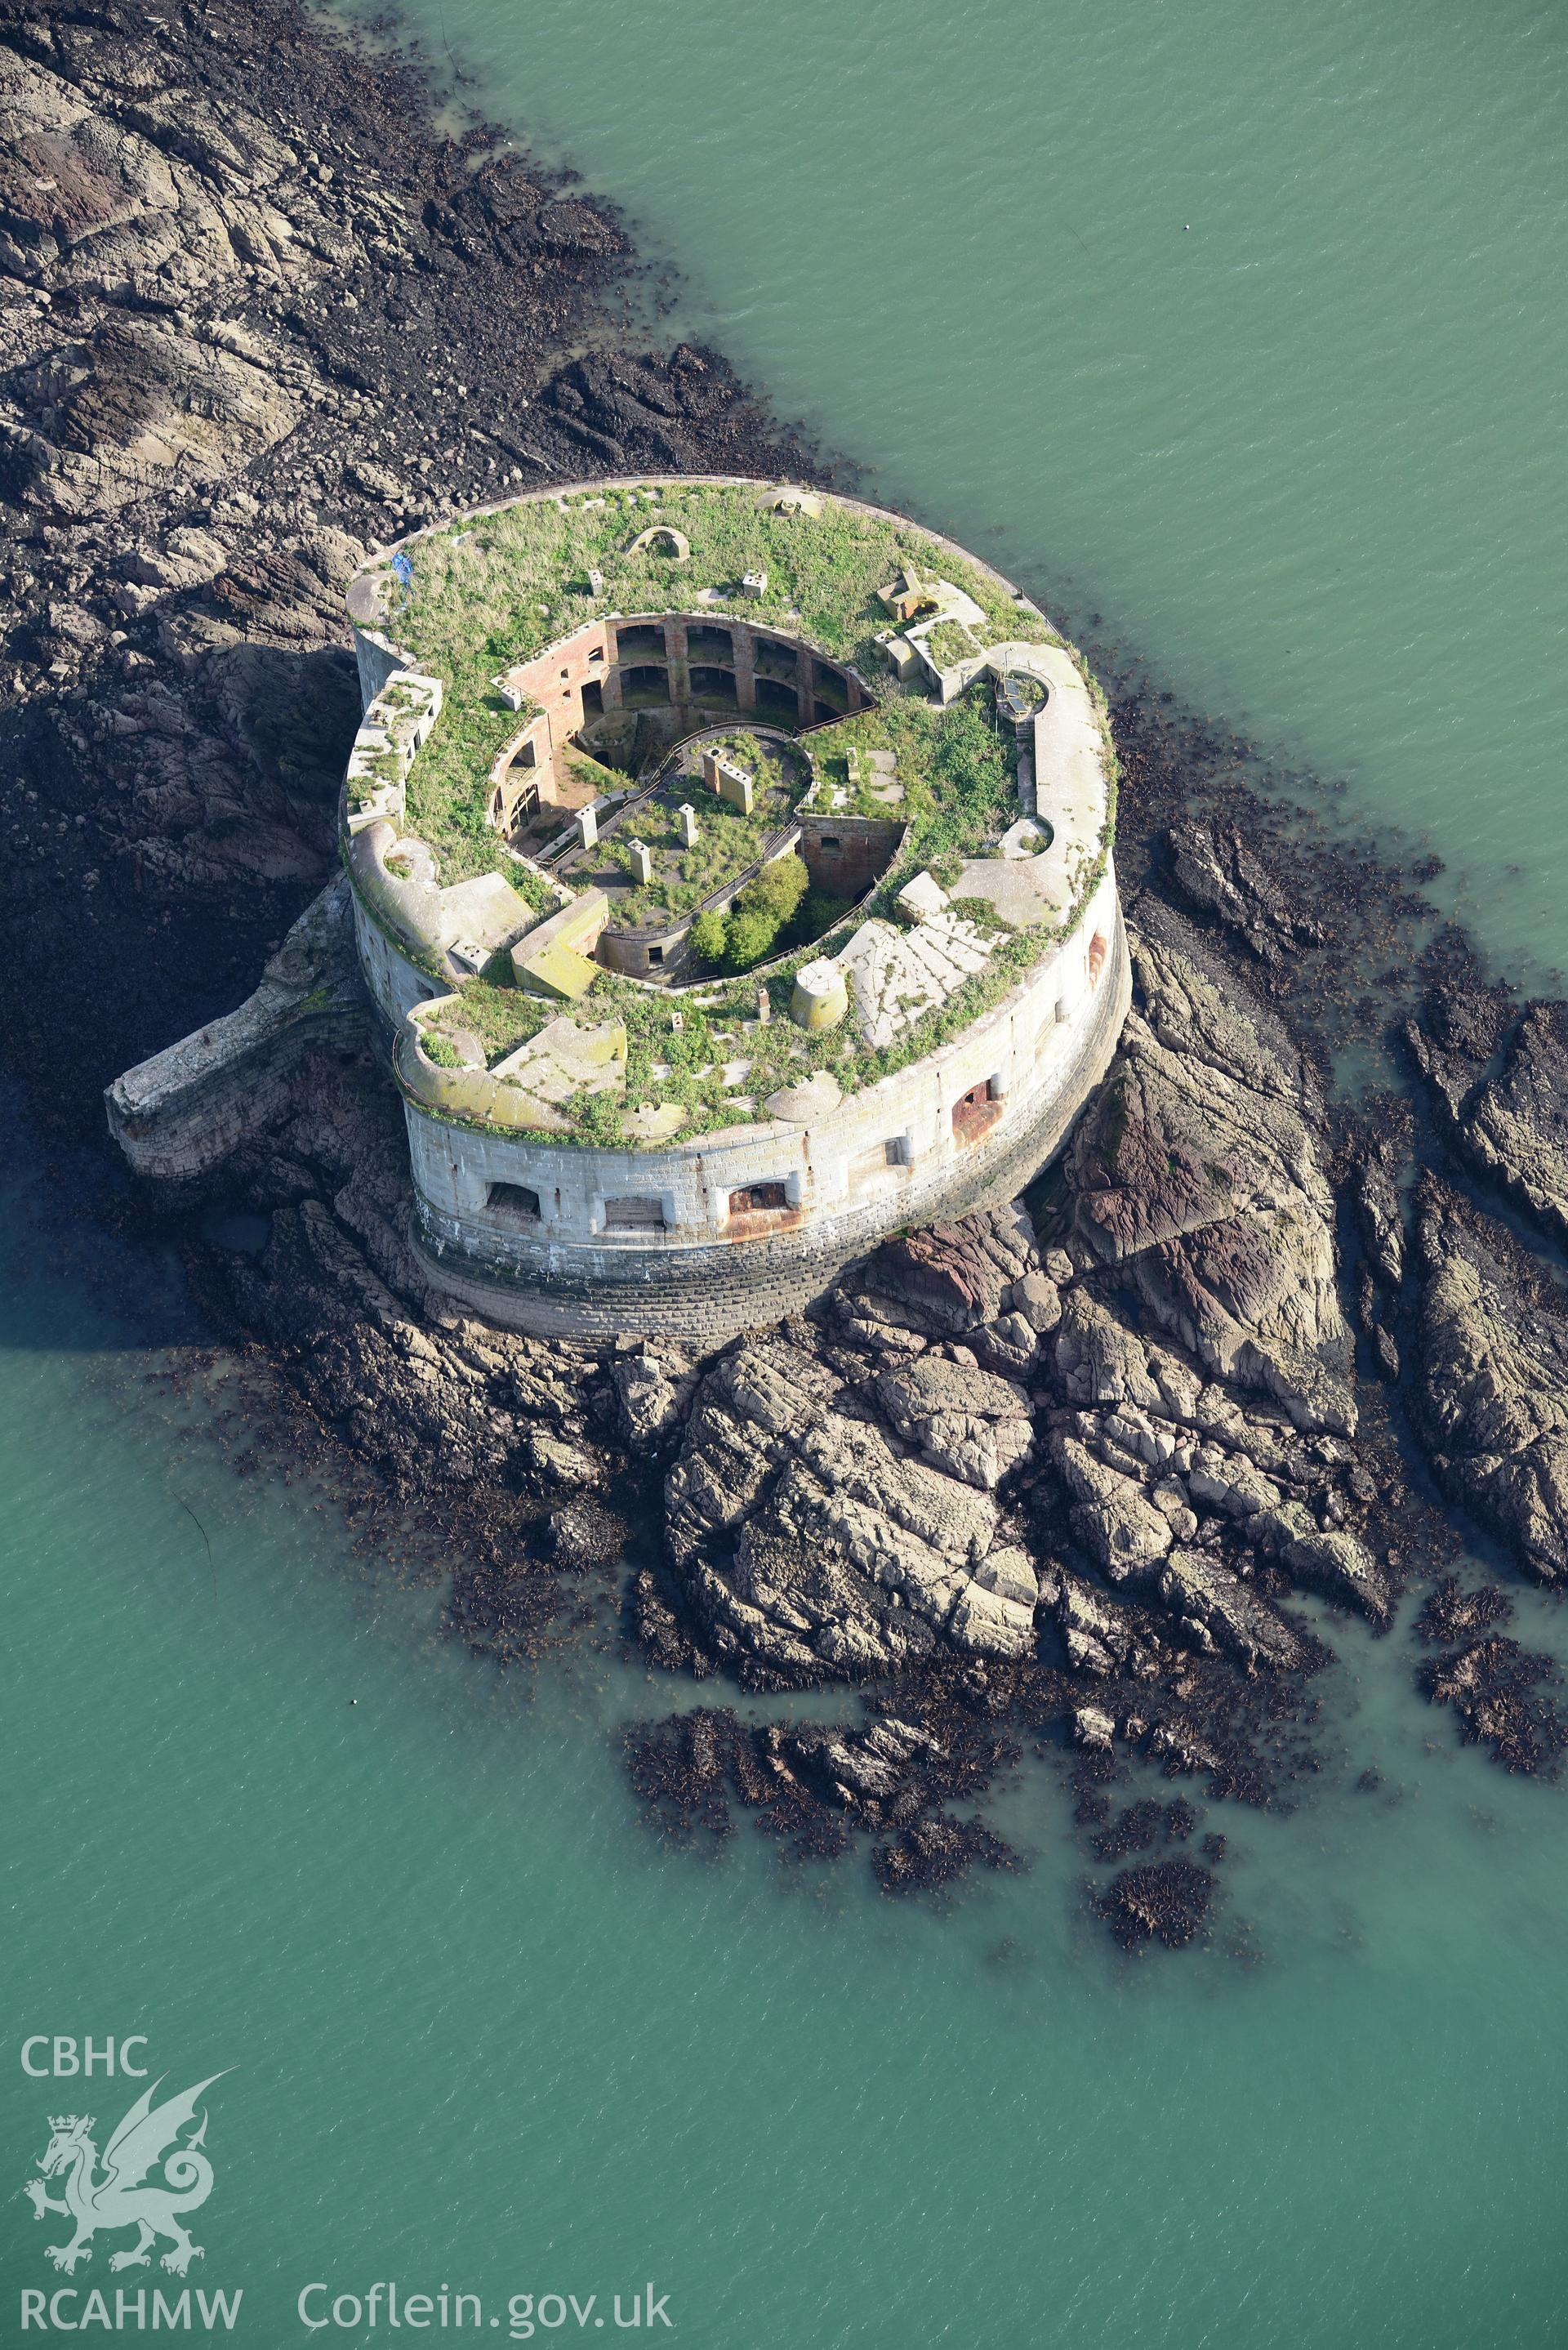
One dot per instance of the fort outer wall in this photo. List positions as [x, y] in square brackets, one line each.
[181, 1114]
[894, 1155]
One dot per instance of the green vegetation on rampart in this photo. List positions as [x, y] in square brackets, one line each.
[693, 1062]
[950, 642]
[493, 592]
[489, 593]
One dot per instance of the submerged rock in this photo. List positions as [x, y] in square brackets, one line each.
[1166, 1902]
[813, 1792]
[935, 1853]
[1502, 1695]
[1452, 1613]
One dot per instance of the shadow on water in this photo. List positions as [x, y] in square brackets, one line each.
[81, 1271]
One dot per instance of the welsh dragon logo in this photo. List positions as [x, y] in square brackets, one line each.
[147, 2138]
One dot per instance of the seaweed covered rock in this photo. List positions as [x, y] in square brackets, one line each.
[1452, 1613]
[1219, 876]
[1164, 1901]
[934, 1853]
[1504, 1696]
[813, 1791]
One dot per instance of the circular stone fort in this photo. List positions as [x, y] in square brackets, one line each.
[732, 876]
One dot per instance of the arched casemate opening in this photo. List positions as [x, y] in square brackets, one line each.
[514, 782]
[644, 682]
[693, 664]
[778, 701]
[639, 640]
[706, 643]
[624, 691]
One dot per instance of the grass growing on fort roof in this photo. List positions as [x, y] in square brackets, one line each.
[495, 590]
[695, 1063]
[957, 769]
[950, 642]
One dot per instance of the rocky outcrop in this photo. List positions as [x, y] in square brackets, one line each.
[900, 1476]
[837, 1506]
[1196, 1178]
[1164, 1468]
[1376, 1162]
[1499, 1088]
[958, 1418]
[1492, 1380]
[654, 1381]
[1517, 1126]
[1215, 872]
[337, 1293]
[1204, 1595]
[811, 1541]
[954, 1279]
[1198, 1207]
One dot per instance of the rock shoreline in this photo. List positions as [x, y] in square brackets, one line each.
[1073, 1478]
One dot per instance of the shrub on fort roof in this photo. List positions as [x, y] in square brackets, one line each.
[708, 936]
[763, 909]
[816, 916]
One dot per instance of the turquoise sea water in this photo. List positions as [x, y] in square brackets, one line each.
[1304, 453]
[1238, 326]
